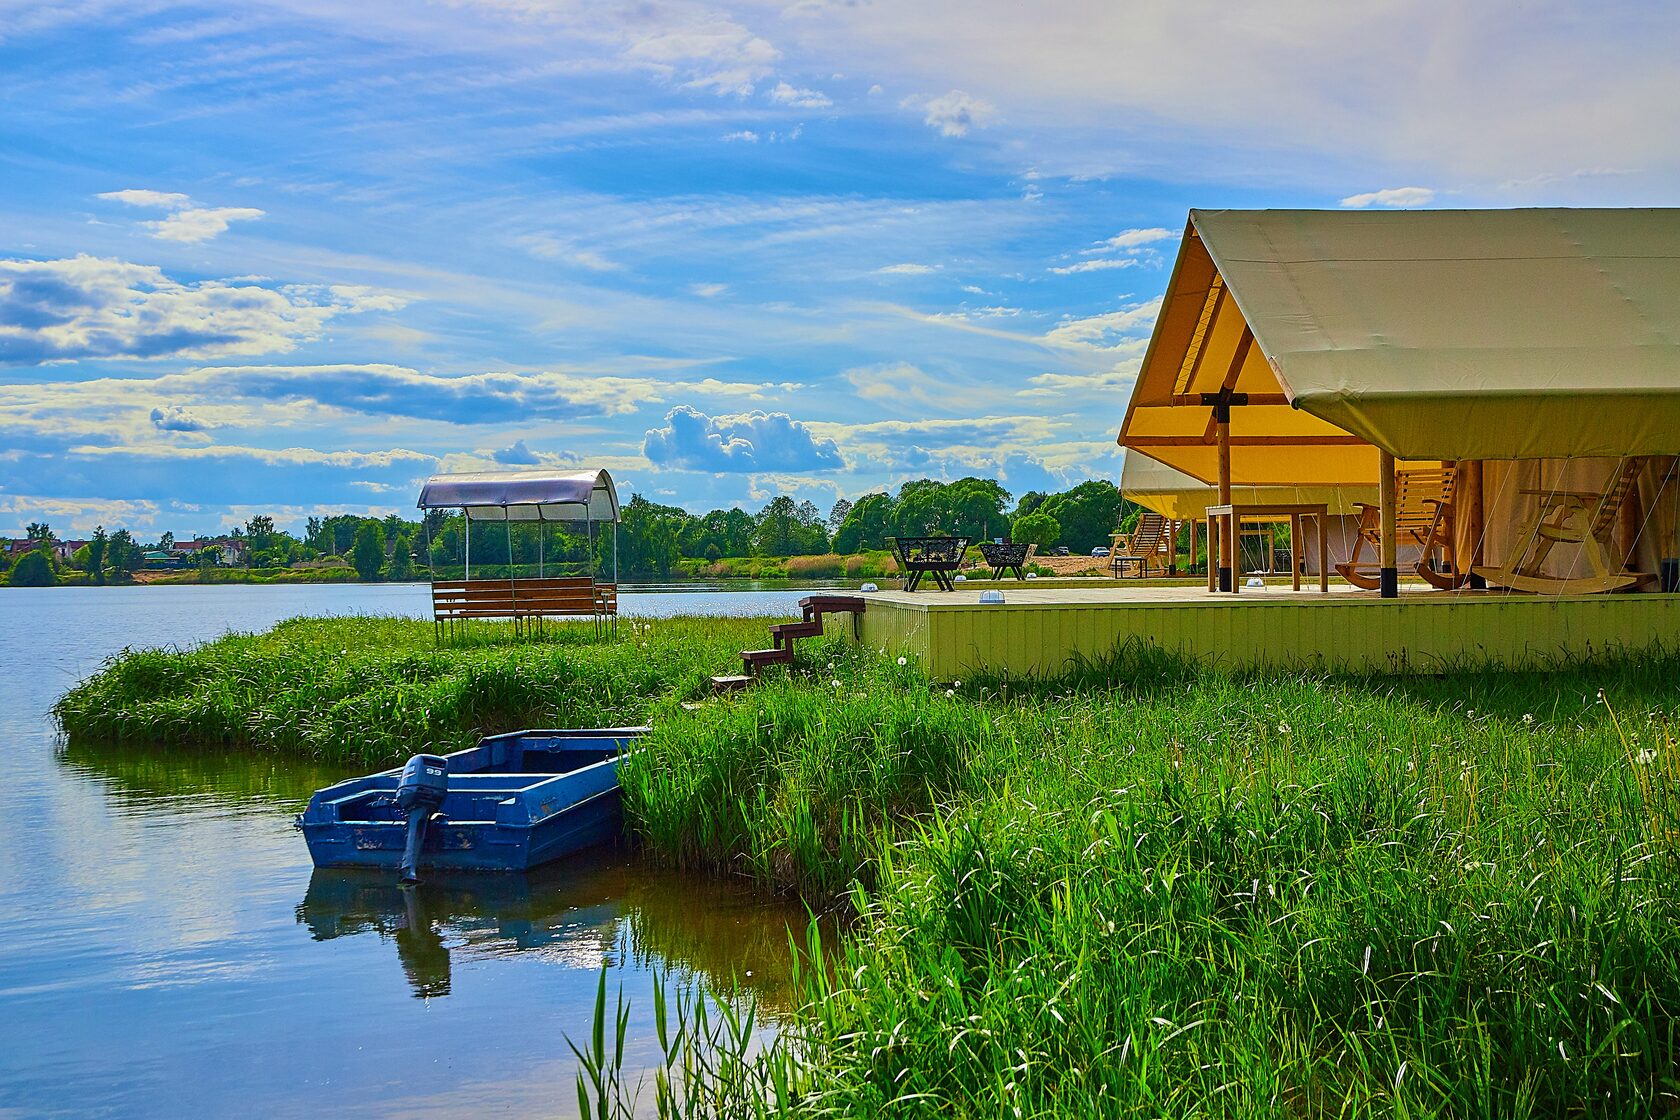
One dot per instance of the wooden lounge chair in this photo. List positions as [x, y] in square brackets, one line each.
[1423, 516]
[1146, 543]
[1585, 518]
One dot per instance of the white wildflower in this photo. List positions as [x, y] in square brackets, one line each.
[1528, 717]
[1285, 729]
[950, 692]
[836, 684]
[904, 661]
[1645, 757]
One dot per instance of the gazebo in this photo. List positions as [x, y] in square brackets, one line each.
[585, 497]
[1537, 352]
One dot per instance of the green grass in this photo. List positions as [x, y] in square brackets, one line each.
[375, 690]
[1137, 890]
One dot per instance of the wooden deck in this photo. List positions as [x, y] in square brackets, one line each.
[1037, 630]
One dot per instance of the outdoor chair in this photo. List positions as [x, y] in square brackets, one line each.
[1423, 516]
[934, 556]
[1147, 543]
[1585, 518]
[1005, 557]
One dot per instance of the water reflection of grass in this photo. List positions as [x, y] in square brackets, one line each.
[218, 774]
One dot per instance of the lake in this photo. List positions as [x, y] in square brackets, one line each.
[166, 948]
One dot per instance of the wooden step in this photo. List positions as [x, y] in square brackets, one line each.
[751, 659]
[785, 632]
[729, 684]
[831, 604]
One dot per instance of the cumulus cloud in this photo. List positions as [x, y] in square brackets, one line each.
[1395, 197]
[92, 307]
[174, 418]
[188, 223]
[711, 53]
[784, 94]
[954, 113]
[1126, 249]
[1134, 238]
[517, 456]
[746, 442]
[907, 269]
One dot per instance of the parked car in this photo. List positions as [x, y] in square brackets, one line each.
[1100, 550]
[1061, 550]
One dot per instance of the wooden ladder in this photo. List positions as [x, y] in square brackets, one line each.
[784, 634]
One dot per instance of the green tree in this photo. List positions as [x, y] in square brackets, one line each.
[837, 515]
[1035, 528]
[166, 542]
[649, 537]
[402, 558]
[1087, 514]
[33, 569]
[974, 508]
[787, 528]
[866, 526]
[208, 559]
[368, 553]
[39, 531]
[122, 555]
[96, 554]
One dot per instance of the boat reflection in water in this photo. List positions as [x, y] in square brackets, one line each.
[598, 908]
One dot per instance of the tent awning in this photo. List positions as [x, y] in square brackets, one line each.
[524, 495]
[1171, 493]
[1441, 334]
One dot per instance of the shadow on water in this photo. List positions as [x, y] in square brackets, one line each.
[597, 908]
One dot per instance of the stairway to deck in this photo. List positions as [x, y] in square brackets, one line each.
[784, 634]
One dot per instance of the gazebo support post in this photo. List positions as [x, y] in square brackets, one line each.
[1467, 559]
[1389, 576]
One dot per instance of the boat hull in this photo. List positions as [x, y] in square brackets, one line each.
[515, 802]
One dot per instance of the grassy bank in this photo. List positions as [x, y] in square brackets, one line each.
[1136, 890]
[375, 690]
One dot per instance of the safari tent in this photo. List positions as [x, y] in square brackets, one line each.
[1536, 352]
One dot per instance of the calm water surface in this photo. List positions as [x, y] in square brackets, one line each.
[167, 950]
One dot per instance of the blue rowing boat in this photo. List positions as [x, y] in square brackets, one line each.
[511, 803]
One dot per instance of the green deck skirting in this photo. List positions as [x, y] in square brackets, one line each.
[1037, 632]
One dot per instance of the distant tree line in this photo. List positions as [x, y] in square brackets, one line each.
[653, 539]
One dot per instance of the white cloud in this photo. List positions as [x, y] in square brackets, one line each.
[166, 200]
[749, 442]
[193, 226]
[1112, 330]
[954, 113]
[1398, 197]
[1135, 238]
[174, 418]
[190, 224]
[517, 455]
[708, 291]
[903, 382]
[712, 53]
[550, 248]
[784, 94]
[907, 269]
[92, 307]
[745, 136]
[1097, 264]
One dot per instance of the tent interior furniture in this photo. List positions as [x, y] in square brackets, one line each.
[1149, 542]
[1225, 525]
[1423, 516]
[934, 556]
[1005, 557]
[586, 498]
[1576, 517]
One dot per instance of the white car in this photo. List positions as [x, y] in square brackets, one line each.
[1099, 551]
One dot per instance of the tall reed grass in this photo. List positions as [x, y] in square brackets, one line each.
[1141, 890]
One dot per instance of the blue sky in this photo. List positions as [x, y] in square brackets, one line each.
[293, 257]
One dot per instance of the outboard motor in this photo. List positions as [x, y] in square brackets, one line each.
[420, 793]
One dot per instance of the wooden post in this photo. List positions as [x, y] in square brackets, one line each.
[1222, 425]
[1192, 544]
[1469, 487]
[1389, 576]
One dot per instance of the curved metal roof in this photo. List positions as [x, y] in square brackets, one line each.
[524, 495]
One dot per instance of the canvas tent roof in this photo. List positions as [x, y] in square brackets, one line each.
[1172, 493]
[1439, 334]
[524, 495]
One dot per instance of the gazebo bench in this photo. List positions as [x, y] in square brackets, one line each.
[522, 601]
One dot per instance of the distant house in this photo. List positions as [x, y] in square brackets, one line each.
[61, 549]
[232, 548]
